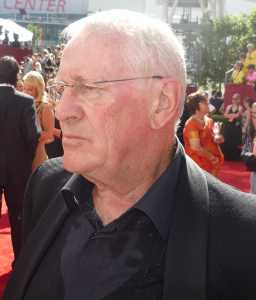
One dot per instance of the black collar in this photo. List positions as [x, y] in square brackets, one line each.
[158, 202]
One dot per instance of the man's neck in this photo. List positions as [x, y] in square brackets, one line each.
[111, 202]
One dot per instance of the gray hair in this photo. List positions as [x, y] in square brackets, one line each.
[148, 45]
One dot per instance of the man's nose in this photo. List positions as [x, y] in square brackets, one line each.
[67, 109]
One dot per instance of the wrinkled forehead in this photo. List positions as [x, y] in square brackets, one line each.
[95, 56]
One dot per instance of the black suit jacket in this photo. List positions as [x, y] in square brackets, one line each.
[211, 251]
[19, 134]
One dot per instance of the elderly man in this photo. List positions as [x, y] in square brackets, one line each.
[126, 214]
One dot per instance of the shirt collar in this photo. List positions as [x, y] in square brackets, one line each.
[76, 190]
[7, 85]
[157, 203]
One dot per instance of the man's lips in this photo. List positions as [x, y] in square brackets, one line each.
[72, 136]
[72, 140]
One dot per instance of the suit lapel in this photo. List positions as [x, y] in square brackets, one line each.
[35, 247]
[186, 256]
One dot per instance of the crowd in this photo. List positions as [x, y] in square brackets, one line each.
[234, 126]
[124, 213]
[35, 75]
[243, 70]
[45, 62]
[31, 77]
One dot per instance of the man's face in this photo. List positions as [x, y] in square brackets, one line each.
[104, 130]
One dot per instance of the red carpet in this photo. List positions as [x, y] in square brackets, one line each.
[233, 173]
[6, 255]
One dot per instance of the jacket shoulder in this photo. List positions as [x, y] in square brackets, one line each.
[235, 201]
[42, 188]
[231, 240]
[23, 97]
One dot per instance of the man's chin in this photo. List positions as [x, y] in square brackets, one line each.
[71, 165]
[81, 166]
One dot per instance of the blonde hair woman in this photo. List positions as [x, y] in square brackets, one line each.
[34, 85]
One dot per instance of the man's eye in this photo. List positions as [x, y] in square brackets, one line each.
[88, 87]
[85, 88]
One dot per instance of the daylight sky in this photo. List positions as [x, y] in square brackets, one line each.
[236, 7]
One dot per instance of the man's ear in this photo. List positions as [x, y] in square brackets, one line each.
[166, 106]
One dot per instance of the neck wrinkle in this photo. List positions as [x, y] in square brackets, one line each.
[111, 202]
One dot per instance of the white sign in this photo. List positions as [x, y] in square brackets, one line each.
[44, 6]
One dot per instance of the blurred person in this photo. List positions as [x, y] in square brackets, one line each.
[28, 65]
[19, 135]
[233, 129]
[58, 53]
[6, 38]
[54, 149]
[183, 119]
[246, 116]
[249, 147]
[217, 102]
[16, 42]
[238, 75]
[125, 214]
[46, 61]
[242, 57]
[36, 65]
[34, 85]
[199, 140]
[250, 78]
[213, 94]
[205, 94]
[20, 85]
[250, 55]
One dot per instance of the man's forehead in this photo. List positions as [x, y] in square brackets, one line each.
[93, 60]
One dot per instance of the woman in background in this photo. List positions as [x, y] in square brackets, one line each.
[34, 85]
[200, 142]
[54, 149]
[246, 116]
[238, 74]
[250, 78]
[249, 147]
[233, 129]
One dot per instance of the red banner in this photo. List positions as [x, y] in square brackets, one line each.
[242, 89]
[18, 53]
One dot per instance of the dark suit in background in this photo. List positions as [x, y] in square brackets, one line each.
[19, 136]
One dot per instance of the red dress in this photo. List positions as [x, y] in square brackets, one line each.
[194, 129]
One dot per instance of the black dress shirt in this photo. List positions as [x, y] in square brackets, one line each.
[122, 260]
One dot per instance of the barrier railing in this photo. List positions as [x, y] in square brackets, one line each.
[242, 89]
[18, 53]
